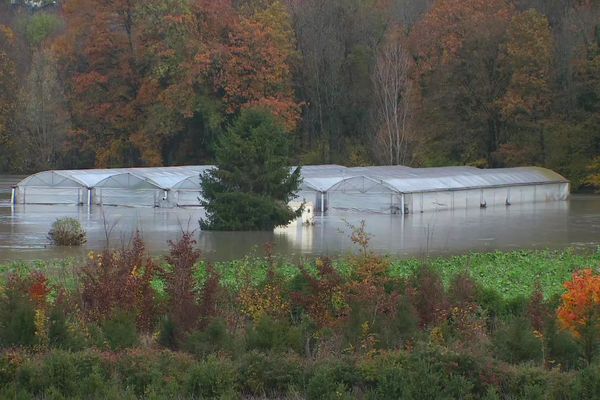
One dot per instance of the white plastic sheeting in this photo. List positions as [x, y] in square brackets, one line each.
[162, 186]
[397, 189]
[387, 189]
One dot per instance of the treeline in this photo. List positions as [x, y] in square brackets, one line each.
[489, 83]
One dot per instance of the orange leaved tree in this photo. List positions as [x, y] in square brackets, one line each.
[580, 309]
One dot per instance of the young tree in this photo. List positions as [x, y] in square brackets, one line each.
[252, 185]
[393, 92]
[42, 116]
[579, 312]
[8, 87]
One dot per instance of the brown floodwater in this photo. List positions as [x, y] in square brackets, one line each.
[573, 223]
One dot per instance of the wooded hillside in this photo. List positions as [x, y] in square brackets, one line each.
[490, 83]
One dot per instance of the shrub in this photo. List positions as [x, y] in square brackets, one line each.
[17, 319]
[425, 374]
[463, 289]
[319, 297]
[211, 340]
[144, 371]
[67, 232]
[515, 341]
[268, 334]
[587, 383]
[166, 333]
[563, 351]
[214, 378]
[525, 382]
[269, 374]
[120, 281]
[59, 335]
[120, 331]
[61, 373]
[428, 296]
[332, 380]
[183, 309]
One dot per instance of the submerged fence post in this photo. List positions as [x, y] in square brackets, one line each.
[402, 204]
[13, 196]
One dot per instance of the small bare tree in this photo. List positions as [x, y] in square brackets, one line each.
[43, 117]
[393, 92]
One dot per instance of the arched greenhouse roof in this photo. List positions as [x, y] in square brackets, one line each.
[320, 178]
[416, 180]
[127, 180]
[169, 177]
[361, 184]
[68, 178]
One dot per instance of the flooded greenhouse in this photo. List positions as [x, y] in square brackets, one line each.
[384, 189]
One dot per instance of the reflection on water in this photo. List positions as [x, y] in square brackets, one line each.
[574, 223]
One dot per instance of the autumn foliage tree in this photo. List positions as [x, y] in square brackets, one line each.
[579, 312]
[456, 45]
[528, 62]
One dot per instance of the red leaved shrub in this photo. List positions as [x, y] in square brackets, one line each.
[322, 297]
[428, 296]
[182, 306]
[120, 281]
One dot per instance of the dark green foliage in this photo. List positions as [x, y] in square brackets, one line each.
[61, 373]
[41, 26]
[269, 374]
[212, 379]
[213, 339]
[17, 313]
[252, 185]
[120, 331]
[563, 350]
[332, 380]
[59, 334]
[269, 334]
[587, 383]
[515, 341]
[166, 333]
[425, 374]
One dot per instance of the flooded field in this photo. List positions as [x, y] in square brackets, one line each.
[573, 223]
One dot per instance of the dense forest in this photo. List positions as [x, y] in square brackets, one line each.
[489, 83]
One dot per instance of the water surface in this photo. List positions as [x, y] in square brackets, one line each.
[573, 223]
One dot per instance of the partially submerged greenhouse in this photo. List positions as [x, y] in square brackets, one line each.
[384, 189]
[154, 187]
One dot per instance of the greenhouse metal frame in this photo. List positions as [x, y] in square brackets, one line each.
[383, 189]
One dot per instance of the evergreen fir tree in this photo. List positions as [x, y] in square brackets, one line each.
[252, 185]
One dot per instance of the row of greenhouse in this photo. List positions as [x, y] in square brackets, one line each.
[387, 189]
